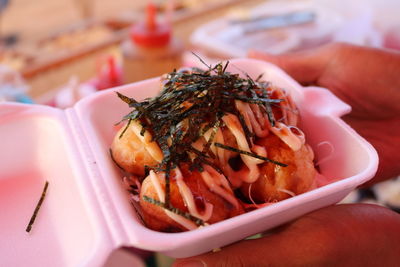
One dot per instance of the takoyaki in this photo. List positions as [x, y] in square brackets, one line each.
[209, 143]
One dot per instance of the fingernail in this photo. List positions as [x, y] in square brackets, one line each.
[190, 263]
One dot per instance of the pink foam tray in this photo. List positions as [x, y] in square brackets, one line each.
[87, 214]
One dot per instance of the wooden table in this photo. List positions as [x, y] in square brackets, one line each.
[35, 20]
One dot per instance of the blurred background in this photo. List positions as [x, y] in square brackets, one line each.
[57, 52]
[90, 45]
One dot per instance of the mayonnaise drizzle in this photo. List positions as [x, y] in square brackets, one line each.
[155, 180]
[232, 122]
[288, 108]
[188, 198]
[251, 115]
[285, 133]
[218, 184]
[215, 181]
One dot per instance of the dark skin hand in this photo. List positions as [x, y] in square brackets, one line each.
[342, 235]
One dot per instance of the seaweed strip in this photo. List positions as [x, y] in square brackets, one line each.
[268, 108]
[201, 60]
[252, 100]
[174, 210]
[168, 185]
[38, 205]
[249, 154]
[125, 129]
[247, 133]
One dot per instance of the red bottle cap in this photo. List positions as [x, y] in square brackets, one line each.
[150, 33]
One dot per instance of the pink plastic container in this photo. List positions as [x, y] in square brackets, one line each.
[86, 213]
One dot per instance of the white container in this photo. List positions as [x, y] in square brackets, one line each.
[87, 214]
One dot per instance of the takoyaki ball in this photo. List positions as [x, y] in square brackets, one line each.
[225, 137]
[132, 151]
[218, 155]
[277, 182]
[155, 217]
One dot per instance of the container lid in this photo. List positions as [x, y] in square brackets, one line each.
[69, 228]
[150, 33]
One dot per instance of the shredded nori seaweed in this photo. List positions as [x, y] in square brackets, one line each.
[249, 154]
[37, 208]
[191, 103]
[174, 210]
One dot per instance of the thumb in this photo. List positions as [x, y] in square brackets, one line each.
[306, 67]
[268, 250]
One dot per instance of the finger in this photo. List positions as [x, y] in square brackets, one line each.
[279, 249]
[305, 67]
[343, 234]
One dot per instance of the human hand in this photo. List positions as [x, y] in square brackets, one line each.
[368, 79]
[341, 235]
